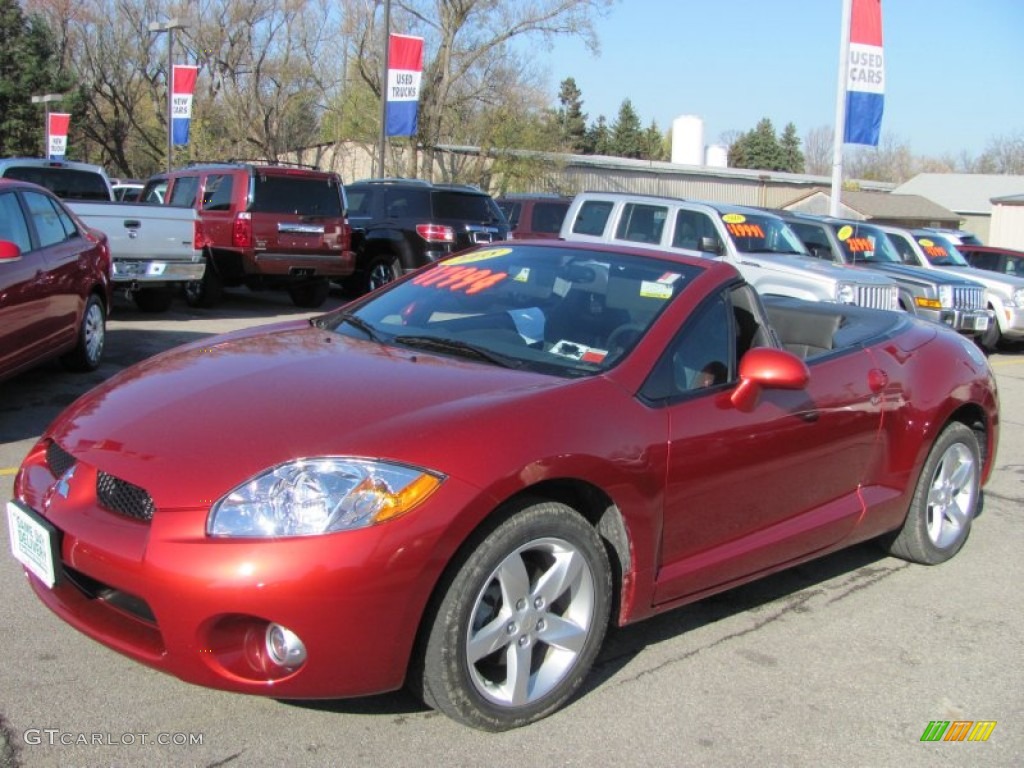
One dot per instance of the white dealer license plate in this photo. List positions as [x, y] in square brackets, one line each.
[34, 542]
[981, 323]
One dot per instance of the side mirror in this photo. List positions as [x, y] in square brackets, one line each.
[710, 245]
[9, 251]
[767, 368]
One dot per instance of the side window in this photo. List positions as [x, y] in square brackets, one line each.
[814, 239]
[641, 223]
[1014, 266]
[983, 260]
[155, 192]
[47, 219]
[13, 226]
[699, 357]
[592, 217]
[217, 194]
[547, 217]
[184, 191]
[903, 248]
[511, 211]
[691, 226]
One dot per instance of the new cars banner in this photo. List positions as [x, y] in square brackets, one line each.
[865, 74]
[181, 102]
[405, 68]
[57, 134]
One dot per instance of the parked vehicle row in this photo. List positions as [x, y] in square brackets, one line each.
[154, 251]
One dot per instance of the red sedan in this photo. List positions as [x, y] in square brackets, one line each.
[458, 481]
[55, 288]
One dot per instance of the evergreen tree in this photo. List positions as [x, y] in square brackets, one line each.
[758, 149]
[598, 139]
[571, 118]
[655, 145]
[792, 156]
[627, 137]
[26, 69]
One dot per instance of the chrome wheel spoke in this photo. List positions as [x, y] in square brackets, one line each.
[562, 575]
[489, 639]
[517, 684]
[514, 580]
[562, 634]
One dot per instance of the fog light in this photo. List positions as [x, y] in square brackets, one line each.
[284, 646]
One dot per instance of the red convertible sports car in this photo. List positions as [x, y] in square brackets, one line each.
[458, 481]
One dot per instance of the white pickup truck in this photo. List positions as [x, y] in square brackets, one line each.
[759, 244]
[155, 249]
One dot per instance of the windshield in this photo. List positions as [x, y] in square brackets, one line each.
[940, 251]
[560, 310]
[753, 233]
[862, 243]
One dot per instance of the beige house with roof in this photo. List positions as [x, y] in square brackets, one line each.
[879, 208]
[968, 194]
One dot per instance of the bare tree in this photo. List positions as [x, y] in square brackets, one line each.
[818, 146]
[468, 52]
[1005, 154]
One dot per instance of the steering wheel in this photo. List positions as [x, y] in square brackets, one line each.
[619, 339]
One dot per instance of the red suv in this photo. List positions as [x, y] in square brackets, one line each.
[54, 282]
[267, 226]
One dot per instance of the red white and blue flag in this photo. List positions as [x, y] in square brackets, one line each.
[405, 69]
[181, 102]
[57, 124]
[865, 78]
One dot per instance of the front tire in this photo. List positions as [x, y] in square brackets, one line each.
[92, 335]
[945, 500]
[520, 622]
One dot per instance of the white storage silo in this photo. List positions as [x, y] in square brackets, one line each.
[688, 140]
[717, 156]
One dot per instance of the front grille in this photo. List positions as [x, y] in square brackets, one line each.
[97, 590]
[58, 460]
[878, 296]
[124, 498]
[968, 297]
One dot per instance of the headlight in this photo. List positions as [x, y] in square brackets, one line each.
[1018, 297]
[946, 296]
[322, 495]
[845, 293]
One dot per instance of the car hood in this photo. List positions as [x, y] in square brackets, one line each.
[908, 273]
[210, 415]
[804, 264]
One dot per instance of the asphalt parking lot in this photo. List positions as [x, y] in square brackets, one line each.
[840, 662]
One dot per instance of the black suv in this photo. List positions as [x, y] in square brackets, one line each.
[401, 224]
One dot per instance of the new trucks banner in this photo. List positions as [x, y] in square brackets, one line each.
[57, 124]
[865, 78]
[405, 68]
[181, 102]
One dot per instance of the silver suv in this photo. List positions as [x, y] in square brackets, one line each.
[759, 244]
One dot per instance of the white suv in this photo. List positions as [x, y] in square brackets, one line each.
[759, 244]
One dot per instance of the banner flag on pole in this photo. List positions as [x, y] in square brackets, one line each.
[57, 134]
[181, 102]
[865, 78]
[405, 69]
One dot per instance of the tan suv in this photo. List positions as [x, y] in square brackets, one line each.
[268, 226]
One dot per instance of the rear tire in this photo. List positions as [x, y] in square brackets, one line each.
[380, 271]
[945, 500]
[153, 300]
[92, 335]
[520, 622]
[309, 294]
[208, 292]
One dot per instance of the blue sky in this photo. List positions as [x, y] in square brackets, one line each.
[954, 69]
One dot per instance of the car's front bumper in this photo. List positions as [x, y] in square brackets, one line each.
[1011, 322]
[166, 594]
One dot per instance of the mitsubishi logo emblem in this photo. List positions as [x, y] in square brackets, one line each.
[61, 488]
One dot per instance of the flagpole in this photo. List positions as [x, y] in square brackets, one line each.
[384, 91]
[840, 122]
